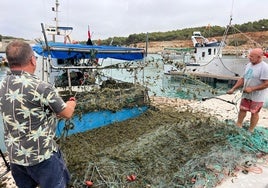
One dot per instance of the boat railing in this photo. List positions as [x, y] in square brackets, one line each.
[99, 51]
[114, 66]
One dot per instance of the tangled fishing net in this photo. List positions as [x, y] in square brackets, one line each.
[164, 147]
[111, 96]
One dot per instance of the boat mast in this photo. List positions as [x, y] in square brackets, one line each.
[56, 19]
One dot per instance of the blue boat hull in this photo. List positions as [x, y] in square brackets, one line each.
[92, 120]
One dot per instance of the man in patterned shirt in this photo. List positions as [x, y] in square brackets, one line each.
[30, 108]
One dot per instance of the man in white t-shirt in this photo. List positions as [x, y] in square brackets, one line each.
[255, 88]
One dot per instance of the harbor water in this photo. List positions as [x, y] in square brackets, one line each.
[2, 145]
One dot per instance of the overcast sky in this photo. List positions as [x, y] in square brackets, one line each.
[109, 18]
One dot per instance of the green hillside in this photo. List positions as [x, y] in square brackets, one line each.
[185, 34]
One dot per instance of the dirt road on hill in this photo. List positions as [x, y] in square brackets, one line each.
[259, 37]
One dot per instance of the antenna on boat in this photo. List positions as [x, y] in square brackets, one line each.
[57, 30]
[56, 19]
[231, 14]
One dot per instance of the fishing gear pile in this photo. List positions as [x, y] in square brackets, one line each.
[163, 147]
[111, 96]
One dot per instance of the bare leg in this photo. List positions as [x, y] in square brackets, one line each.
[242, 114]
[253, 121]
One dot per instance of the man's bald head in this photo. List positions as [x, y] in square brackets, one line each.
[255, 55]
[257, 51]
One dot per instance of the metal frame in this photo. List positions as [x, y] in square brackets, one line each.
[6, 163]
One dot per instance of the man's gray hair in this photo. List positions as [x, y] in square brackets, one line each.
[18, 53]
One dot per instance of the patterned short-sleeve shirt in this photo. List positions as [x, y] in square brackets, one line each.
[28, 107]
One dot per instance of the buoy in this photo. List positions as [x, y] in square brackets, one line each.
[89, 183]
[131, 177]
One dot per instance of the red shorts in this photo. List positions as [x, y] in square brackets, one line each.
[252, 106]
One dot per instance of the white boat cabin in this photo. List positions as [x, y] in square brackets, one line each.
[205, 50]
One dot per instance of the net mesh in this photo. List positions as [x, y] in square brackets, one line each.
[163, 148]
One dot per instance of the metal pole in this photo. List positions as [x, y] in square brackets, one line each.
[6, 163]
[45, 37]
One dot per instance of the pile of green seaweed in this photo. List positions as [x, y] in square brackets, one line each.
[111, 96]
[161, 148]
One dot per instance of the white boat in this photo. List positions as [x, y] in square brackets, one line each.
[207, 59]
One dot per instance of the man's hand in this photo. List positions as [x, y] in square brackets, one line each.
[248, 90]
[69, 109]
[231, 91]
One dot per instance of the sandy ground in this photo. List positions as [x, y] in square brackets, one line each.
[7, 179]
[214, 106]
[224, 111]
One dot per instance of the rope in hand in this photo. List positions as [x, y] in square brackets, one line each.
[68, 124]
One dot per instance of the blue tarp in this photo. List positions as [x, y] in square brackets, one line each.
[78, 51]
[96, 119]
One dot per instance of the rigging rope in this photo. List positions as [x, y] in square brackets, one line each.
[253, 41]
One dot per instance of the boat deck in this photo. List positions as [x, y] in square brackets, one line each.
[209, 78]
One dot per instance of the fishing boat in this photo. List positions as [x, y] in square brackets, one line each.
[74, 69]
[78, 70]
[207, 60]
[102, 100]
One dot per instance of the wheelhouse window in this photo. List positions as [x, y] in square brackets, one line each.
[209, 51]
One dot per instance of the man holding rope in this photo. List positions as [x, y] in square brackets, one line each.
[30, 108]
[255, 84]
